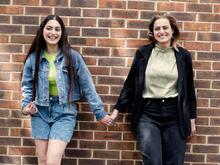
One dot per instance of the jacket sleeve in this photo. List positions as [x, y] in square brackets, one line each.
[128, 90]
[26, 83]
[88, 88]
[190, 87]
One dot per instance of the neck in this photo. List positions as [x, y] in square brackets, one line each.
[51, 49]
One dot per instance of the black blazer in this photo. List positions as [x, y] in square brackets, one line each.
[131, 94]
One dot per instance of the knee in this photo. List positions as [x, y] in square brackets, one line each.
[52, 161]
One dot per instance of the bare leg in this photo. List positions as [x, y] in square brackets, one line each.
[55, 152]
[41, 149]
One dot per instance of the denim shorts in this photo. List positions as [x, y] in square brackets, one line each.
[55, 122]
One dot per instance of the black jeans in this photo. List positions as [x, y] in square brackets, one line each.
[159, 135]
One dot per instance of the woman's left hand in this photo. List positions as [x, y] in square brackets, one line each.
[193, 128]
[107, 121]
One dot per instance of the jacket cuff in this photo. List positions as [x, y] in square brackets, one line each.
[100, 115]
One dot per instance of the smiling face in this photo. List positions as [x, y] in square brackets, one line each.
[52, 33]
[162, 32]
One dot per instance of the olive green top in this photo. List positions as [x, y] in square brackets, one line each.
[161, 74]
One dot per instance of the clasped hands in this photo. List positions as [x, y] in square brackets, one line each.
[109, 120]
[30, 108]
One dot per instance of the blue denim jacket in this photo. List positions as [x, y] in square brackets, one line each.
[82, 82]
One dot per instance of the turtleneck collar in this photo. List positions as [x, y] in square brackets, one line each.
[163, 50]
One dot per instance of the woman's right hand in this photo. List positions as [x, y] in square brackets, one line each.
[30, 109]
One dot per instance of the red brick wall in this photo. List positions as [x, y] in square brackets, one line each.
[107, 33]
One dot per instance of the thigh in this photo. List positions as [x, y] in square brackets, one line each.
[55, 151]
[41, 148]
[149, 138]
[173, 145]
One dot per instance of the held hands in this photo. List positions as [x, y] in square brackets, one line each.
[108, 121]
[30, 108]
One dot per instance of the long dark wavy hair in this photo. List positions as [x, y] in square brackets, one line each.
[173, 24]
[39, 44]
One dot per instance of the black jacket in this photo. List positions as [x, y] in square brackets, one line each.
[131, 94]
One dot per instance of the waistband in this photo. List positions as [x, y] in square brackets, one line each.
[161, 100]
[54, 98]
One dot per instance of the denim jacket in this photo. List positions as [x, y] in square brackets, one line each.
[82, 82]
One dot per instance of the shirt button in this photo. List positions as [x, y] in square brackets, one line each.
[163, 100]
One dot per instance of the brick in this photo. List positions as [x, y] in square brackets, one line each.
[78, 153]
[4, 76]
[110, 80]
[199, 65]
[141, 5]
[208, 37]
[202, 102]
[216, 66]
[217, 8]
[67, 12]
[87, 22]
[205, 149]
[199, 8]
[115, 90]
[123, 52]
[114, 23]
[4, 19]
[111, 62]
[91, 162]
[84, 3]
[149, 14]
[5, 94]
[206, 75]
[11, 67]
[216, 46]
[3, 150]
[208, 17]
[213, 140]
[4, 39]
[95, 32]
[102, 89]
[107, 136]
[21, 151]
[111, 42]
[213, 158]
[5, 2]
[10, 85]
[93, 51]
[10, 141]
[188, 36]
[55, 3]
[215, 84]
[208, 93]
[93, 144]
[202, 121]
[112, 4]
[121, 33]
[99, 70]
[208, 56]
[106, 154]
[135, 43]
[85, 117]
[131, 155]
[120, 162]
[198, 139]
[29, 160]
[194, 158]
[91, 126]
[21, 39]
[83, 135]
[90, 60]
[124, 14]
[26, 2]
[11, 29]
[72, 31]
[128, 137]
[197, 26]
[121, 145]
[10, 122]
[4, 113]
[37, 10]
[28, 142]
[4, 132]
[25, 20]
[185, 16]
[208, 130]
[119, 71]
[82, 41]
[20, 132]
[96, 13]
[9, 104]
[29, 29]
[11, 10]
[209, 1]
[197, 46]
[10, 159]
[164, 6]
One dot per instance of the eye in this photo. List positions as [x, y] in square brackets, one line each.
[165, 27]
[57, 29]
[49, 28]
[157, 28]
